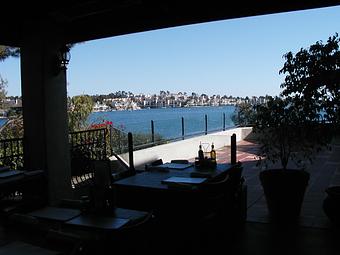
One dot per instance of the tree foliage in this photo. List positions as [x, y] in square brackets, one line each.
[289, 125]
[3, 92]
[313, 79]
[244, 114]
[286, 134]
[7, 51]
[13, 128]
[79, 108]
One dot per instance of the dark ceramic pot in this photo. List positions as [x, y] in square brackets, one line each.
[284, 191]
[331, 204]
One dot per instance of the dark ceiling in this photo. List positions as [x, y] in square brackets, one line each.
[82, 20]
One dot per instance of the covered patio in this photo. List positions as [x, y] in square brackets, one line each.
[41, 30]
[314, 233]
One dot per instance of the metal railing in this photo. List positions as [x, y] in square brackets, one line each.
[123, 143]
[86, 146]
[155, 138]
[12, 153]
[118, 140]
[96, 144]
[93, 141]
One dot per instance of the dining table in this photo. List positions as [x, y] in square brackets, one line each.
[15, 180]
[86, 225]
[93, 232]
[19, 247]
[167, 189]
[21, 188]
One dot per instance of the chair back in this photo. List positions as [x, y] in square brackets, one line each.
[235, 173]
[102, 198]
[157, 162]
[218, 186]
[153, 164]
[131, 238]
[102, 175]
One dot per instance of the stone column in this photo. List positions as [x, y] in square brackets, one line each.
[44, 97]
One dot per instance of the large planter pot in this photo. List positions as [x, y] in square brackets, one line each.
[284, 192]
[331, 204]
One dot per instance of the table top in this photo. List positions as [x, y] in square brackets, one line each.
[119, 218]
[98, 222]
[9, 173]
[55, 213]
[175, 166]
[75, 218]
[185, 180]
[132, 215]
[18, 247]
[17, 176]
[154, 179]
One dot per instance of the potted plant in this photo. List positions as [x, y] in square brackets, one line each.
[312, 79]
[288, 141]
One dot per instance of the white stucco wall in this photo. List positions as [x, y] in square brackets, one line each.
[187, 148]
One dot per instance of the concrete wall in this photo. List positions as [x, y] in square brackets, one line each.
[187, 148]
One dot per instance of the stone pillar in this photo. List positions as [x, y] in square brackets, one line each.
[44, 97]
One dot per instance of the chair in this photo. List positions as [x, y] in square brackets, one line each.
[224, 198]
[102, 175]
[120, 168]
[215, 191]
[197, 209]
[180, 161]
[81, 167]
[25, 227]
[157, 162]
[236, 179]
[135, 237]
[235, 172]
[101, 193]
[66, 242]
[153, 164]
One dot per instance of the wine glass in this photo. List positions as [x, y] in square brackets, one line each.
[205, 147]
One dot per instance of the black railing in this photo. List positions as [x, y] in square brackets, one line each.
[12, 153]
[91, 141]
[86, 146]
[154, 138]
[118, 140]
[97, 144]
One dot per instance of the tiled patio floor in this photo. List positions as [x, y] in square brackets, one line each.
[325, 171]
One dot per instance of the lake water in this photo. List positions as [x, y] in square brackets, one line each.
[167, 121]
[2, 121]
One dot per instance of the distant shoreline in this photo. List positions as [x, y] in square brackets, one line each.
[152, 108]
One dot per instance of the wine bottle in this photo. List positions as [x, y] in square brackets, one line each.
[200, 153]
[213, 153]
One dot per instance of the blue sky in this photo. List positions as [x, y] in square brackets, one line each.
[239, 57]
